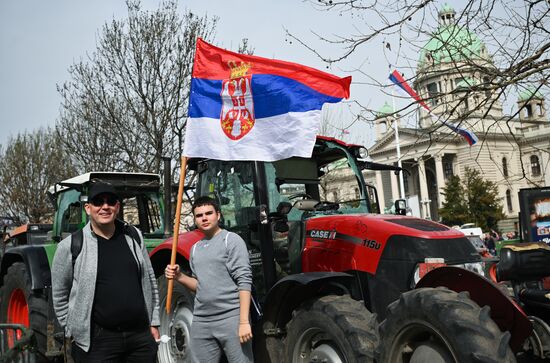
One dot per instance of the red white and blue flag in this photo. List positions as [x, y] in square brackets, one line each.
[245, 107]
[399, 81]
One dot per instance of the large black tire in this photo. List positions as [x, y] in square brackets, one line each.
[176, 324]
[331, 329]
[441, 326]
[17, 281]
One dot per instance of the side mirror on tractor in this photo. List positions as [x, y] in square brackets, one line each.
[401, 207]
[279, 217]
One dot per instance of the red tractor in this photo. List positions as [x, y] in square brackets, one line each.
[335, 282]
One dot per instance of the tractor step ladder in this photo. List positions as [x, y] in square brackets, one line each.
[15, 343]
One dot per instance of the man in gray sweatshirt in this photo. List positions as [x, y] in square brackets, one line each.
[107, 298]
[223, 280]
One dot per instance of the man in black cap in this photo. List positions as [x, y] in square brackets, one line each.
[107, 298]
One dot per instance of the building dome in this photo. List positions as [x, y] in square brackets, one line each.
[451, 42]
[447, 9]
[385, 110]
[530, 93]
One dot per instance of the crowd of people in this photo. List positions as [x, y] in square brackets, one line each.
[490, 239]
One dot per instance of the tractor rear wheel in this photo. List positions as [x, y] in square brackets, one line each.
[176, 324]
[441, 326]
[331, 329]
[20, 305]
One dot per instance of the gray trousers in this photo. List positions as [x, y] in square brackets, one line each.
[208, 339]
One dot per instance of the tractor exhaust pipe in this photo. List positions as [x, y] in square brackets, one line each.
[167, 175]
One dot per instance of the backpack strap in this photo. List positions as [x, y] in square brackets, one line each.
[76, 244]
[131, 231]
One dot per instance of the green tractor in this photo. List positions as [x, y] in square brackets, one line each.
[25, 278]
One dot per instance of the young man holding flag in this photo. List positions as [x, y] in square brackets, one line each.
[222, 282]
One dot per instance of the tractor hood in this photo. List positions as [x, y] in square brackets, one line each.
[362, 242]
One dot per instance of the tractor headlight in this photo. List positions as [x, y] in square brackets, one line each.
[433, 263]
[425, 267]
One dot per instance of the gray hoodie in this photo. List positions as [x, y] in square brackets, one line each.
[73, 293]
[222, 268]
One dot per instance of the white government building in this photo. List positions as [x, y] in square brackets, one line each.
[431, 153]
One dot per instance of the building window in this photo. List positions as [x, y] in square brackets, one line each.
[383, 127]
[447, 169]
[505, 167]
[487, 85]
[335, 197]
[541, 110]
[433, 92]
[357, 195]
[528, 111]
[509, 200]
[429, 58]
[535, 165]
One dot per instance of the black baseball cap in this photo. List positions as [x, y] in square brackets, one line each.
[100, 187]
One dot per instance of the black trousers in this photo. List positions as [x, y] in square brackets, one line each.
[110, 346]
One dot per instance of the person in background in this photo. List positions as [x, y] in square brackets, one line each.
[490, 243]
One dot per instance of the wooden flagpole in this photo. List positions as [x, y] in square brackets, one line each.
[176, 231]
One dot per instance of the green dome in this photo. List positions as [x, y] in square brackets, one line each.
[528, 94]
[451, 43]
[385, 110]
[465, 83]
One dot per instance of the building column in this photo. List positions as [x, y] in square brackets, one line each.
[380, 189]
[545, 167]
[440, 179]
[424, 198]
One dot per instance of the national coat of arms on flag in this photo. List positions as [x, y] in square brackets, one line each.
[237, 116]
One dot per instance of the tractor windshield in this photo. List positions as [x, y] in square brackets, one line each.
[320, 183]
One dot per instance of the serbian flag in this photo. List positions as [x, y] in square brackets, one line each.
[468, 135]
[399, 81]
[245, 107]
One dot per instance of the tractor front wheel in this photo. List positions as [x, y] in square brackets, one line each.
[176, 324]
[20, 305]
[441, 326]
[331, 329]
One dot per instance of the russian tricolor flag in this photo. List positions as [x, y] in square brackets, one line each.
[399, 81]
[246, 107]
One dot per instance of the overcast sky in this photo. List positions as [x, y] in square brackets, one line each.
[40, 39]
